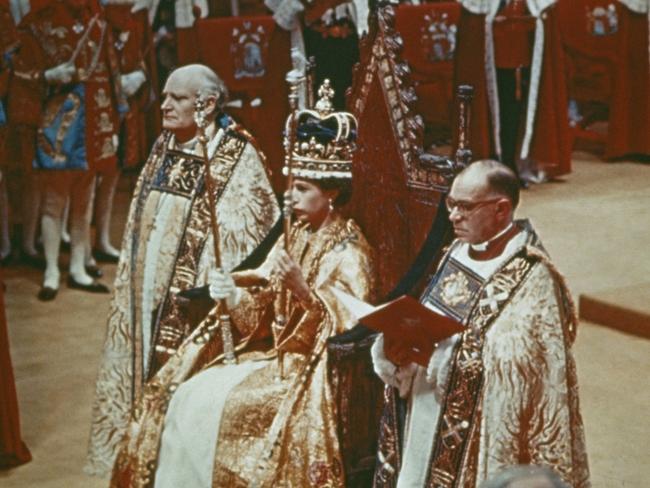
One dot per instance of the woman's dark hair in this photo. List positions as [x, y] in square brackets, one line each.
[343, 185]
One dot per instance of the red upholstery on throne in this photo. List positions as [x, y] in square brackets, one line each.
[252, 56]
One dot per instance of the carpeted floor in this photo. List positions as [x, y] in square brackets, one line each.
[595, 224]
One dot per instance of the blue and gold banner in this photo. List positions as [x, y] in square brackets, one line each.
[61, 141]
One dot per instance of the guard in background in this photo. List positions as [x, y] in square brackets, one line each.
[511, 52]
[71, 95]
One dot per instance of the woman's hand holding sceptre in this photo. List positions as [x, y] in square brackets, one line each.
[291, 275]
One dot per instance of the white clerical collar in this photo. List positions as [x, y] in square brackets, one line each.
[482, 246]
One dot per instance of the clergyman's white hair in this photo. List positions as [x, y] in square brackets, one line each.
[206, 81]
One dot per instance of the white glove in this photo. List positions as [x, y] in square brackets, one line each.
[223, 286]
[131, 82]
[63, 73]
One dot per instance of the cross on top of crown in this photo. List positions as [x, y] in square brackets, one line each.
[324, 103]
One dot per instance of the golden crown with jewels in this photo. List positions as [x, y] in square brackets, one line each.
[324, 140]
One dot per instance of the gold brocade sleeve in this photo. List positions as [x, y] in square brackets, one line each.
[290, 435]
[354, 275]
[348, 266]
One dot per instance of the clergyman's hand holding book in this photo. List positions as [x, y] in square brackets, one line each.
[405, 321]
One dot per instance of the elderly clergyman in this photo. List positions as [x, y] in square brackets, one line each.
[504, 391]
[168, 245]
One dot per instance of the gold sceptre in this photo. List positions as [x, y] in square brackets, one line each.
[294, 79]
[223, 316]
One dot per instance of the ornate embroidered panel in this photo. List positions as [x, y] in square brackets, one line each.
[62, 126]
[173, 325]
[461, 404]
[602, 20]
[438, 37]
[248, 50]
[179, 175]
[454, 290]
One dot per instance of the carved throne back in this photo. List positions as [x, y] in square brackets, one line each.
[397, 190]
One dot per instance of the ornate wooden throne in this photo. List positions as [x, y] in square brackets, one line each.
[397, 190]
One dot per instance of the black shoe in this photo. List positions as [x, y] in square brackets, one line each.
[94, 287]
[94, 271]
[35, 261]
[47, 294]
[104, 257]
[65, 246]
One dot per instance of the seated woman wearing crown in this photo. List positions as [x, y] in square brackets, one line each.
[270, 419]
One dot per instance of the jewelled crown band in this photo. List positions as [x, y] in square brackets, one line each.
[324, 141]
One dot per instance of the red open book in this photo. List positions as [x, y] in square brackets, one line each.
[403, 320]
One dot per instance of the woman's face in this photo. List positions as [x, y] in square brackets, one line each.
[310, 203]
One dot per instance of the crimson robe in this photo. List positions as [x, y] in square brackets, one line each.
[13, 451]
[135, 51]
[629, 119]
[549, 148]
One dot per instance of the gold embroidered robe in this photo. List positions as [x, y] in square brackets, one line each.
[168, 247]
[502, 393]
[268, 432]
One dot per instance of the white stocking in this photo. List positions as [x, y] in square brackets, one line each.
[55, 194]
[103, 212]
[65, 235]
[51, 229]
[88, 252]
[80, 209]
[31, 206]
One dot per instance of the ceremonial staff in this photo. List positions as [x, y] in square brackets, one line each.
[309, 81]
[223, 315]
[463, 152]
[294, 78]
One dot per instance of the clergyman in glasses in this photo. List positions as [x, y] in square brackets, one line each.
[504, 391]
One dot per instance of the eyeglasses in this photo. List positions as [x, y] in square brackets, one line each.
[465, 207]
